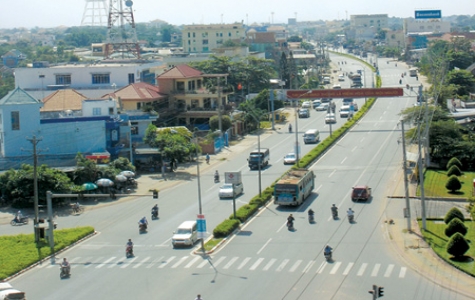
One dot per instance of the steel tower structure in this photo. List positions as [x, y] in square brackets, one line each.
[95, 13]
[121, 34]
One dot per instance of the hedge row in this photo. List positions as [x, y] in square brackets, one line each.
[246, 211]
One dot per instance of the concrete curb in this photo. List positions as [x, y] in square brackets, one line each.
[50, 256]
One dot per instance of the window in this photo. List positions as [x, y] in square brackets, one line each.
[63, 79]
[229, 34]
[15, 120]
[205, 42]
[111, 110]
[205, 49]
[134, 128]
[189, 34]
[204, 34]
[191, 85]
[131, 78]
[195, 103]
[100, 78]
[180, 86]
[96, 111]
[219, 42]
[194, 35]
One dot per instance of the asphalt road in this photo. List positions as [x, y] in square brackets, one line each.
[265, 260]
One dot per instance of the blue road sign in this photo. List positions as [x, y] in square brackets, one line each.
[428, 14]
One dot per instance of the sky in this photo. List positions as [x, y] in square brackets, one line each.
[55, 13]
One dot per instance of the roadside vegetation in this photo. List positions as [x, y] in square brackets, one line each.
[20, 251]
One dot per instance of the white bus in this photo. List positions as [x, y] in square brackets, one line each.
[413, 72]
[294, 187]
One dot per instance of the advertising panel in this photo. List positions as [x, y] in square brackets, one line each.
[428, 14]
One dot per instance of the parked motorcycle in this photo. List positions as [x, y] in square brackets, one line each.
[23, 221]
[65, 272]
[129, 251]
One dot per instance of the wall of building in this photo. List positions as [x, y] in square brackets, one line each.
[430, 26]
[205, 38]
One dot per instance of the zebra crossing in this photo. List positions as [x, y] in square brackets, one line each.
[239, 263]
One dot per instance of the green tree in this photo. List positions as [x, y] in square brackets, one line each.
[122, 164]
[454, 162]
[284, 70]
[174, 144]
[453, 184]
[454, 212]
[454, 226]
[454, 170]
[86, 170]
[294, 39]
[463, 80]
[457, 245]
[225, 123]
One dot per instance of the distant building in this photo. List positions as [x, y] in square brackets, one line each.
[426, 26]
[365, 27]
[12, 58]
[205, 38]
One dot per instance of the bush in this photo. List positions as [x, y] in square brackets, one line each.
[457, 245]
[454, 162]
[225, 228]
[453, 184]
[454, 170]
[245, 211]
[454, 212]
[454, 226]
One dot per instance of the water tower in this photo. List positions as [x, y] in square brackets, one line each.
[95, 13]
[121, 34]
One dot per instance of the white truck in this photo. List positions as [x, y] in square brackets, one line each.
[7, 292]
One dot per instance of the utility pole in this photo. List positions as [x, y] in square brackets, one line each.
[406, 183]
[421, 177]
[34, 141]
[219, 110]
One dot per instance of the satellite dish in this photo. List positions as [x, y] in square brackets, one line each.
[129, 3]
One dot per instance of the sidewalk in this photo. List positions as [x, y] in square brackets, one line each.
[414, 251]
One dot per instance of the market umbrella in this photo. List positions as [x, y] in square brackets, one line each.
[105, 182]
[127, 173]
[121, 178]
[88, 186]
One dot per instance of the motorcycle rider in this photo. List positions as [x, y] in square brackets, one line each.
[18, 216]
[131, 245]
[143, 222]
[290, 221]
[350, 213]
[328, 250]
[207, 158]
[155, 210]
[65, 264]
[334, 210]
[290, 127]
[311, 212]
[216, 176]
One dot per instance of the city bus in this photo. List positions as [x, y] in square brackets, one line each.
[413, 72]
[294, 187]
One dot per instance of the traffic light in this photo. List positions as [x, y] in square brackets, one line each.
[374, 291]
[155, 194]
[380, 292]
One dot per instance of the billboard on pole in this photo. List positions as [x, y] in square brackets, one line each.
[428, 14]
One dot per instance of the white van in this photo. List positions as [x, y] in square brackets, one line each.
[311, 136]
[185, 235]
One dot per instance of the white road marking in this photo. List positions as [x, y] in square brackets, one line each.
[141, 263]
[128, 262]
[91, 263]
[332, 173]
[375, 270]
[356, 147]
[343, 160]
[389, 270]
[295, 266]
[269, 264]
[402, 273]
[179, 262]
[319, 188]
[154, 262]
[308, 266]
[322, 266]
[166, 262]
[362, 269]
[106, 262]
[192, 262]
[230, 263]
[282, 265]
[244, 262]
[72, 262]
[256, 264]
[262, 248]
[215, 264]
[203, 263]
[335, 268]
[348, 269]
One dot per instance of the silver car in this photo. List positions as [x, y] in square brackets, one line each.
[226, 191]
[290, 159]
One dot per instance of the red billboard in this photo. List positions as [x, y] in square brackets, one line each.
[345, 93]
